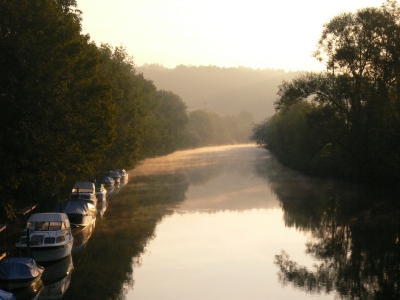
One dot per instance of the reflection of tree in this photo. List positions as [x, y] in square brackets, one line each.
[105, 266]
[355, 234]
[322, 280]
[204, 173]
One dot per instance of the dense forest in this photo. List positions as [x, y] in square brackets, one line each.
[72, 108]
[344, 122]
[221, 90]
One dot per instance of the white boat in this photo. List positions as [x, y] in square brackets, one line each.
[82, 217]
[47, 237]
[19, 272]
[101, 192]
[108, 181]
[6, 295]
[80, 214]
[124, 175]
[84, 192]
[114, 174]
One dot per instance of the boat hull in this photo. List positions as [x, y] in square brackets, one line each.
[81, 236]
[47, 253]
[10, 285]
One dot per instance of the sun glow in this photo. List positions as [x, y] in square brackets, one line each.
[257, 34]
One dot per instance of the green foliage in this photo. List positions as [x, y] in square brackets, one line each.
[171, 117]
[353, 236]
[208, 128]
[291, 136]
[355, 117]
[70, 108]
[53, 98]
[130, 92]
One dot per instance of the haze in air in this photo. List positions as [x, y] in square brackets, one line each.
[225, 91]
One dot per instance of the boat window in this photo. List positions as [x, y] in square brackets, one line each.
[60, 239]
[49, 240]
[31, 225]
[55, 226]
[42, 226]
[82, 196]
[23, 240]
[37, 239]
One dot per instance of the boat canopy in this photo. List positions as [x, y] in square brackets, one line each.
[83, 187]
[115, 174]
[73, 207]
[108, 180]
[6, 295]
[13, 268]
[48, 217]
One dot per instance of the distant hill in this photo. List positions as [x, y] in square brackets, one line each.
[222, 90]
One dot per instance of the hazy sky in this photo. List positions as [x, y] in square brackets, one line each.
[279, 34]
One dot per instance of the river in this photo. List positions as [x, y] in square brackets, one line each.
[232, 223]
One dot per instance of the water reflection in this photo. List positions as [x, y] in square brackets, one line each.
[209, 190]
[82, 235]
[351, 234]
[56, 278]
[30, 293]
[354, 236]
[221, 240]
[105, 268]
[232, 223]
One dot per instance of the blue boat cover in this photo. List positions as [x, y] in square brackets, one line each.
[13, 268]
[73, 207]
[6, 295]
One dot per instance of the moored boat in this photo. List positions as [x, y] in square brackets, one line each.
[47, 237]
[19, 272]
[124, 175]
[82, 217]
[101, 192]
[80, 214]
[4, 295]
[84, 192]
[108, 181]
[114, 174]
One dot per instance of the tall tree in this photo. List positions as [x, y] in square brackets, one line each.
[358, 95]
[54, 120]
[171, 120]
[132, 97]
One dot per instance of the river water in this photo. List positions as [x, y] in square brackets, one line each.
[221, 241]
[232, 223]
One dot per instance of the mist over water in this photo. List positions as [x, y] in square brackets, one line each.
[232, 223]
[220, 242]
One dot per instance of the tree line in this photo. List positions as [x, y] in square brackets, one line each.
[207, 128]
[228, 90]
[71, 108]
[344, 122]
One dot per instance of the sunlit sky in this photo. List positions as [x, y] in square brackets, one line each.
[280, 34]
